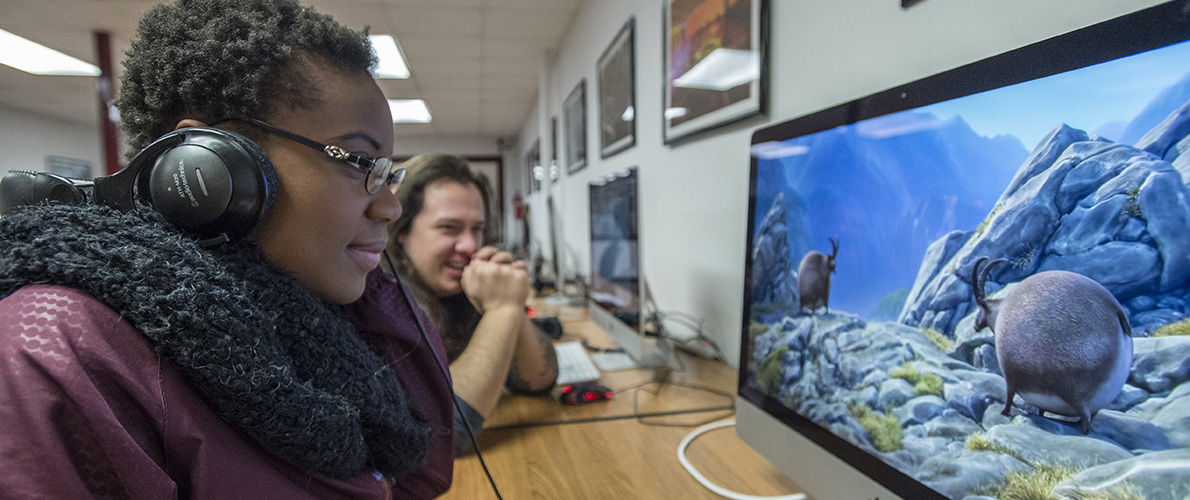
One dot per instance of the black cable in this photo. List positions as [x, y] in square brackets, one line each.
[589, 347]
[641, 418]
[446, 373]
[692, 322]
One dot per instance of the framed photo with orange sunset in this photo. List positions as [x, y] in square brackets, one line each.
[716, 64]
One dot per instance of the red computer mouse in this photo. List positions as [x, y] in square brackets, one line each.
[584, 392]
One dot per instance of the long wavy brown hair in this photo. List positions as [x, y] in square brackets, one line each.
[421, 171]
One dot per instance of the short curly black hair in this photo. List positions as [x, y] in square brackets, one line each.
[210, 59]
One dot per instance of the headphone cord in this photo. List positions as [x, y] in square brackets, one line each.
[446, 373]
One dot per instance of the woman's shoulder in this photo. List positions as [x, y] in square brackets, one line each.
[49, 310]
[56, 326]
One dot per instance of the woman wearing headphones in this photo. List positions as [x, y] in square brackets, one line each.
[139, 360]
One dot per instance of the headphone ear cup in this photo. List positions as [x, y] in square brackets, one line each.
[210, 182]
[21, 188]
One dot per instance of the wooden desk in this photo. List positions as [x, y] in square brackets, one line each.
[536, 448]
[612, 459]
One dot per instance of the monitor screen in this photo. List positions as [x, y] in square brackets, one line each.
[979, 282]
[615, 277]
[618, 291]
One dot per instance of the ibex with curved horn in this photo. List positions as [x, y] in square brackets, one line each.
[814, 278]
[1063, 341]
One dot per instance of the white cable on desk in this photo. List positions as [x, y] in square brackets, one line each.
[706, 482]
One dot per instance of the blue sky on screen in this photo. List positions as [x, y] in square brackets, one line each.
[1084, 103]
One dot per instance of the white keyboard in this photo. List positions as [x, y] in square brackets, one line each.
[574, 364]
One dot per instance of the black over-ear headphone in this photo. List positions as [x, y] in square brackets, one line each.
[214, 184]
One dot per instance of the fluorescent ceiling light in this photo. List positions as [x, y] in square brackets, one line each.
[409, 111]
[776, 150]
[722, 69]
[32, 57]
[672, 113]
[392, 60]
[899, 124]
[628, 114]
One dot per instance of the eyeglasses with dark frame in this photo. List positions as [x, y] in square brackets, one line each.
[380, 171]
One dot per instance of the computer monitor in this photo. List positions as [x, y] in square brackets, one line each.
[616, 281]
[862, 372]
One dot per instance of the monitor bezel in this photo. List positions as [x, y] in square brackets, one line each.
[642, 346]
[1146, 29]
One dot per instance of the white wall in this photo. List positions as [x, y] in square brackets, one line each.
[26, 140]
[693, 206]
[456, 145]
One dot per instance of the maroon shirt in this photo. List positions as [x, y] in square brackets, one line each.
[88, 410]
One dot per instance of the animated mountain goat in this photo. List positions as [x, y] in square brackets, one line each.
[814, 278]
[1063, 341]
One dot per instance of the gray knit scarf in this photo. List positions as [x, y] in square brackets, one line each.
[267, 354]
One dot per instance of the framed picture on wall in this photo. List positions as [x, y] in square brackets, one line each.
[533, 166]
[716, 64]
[554, 168]
[574, 116]
[617, 93]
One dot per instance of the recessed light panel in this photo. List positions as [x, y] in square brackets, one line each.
[392, 60]
[32, 57]
[409, 111]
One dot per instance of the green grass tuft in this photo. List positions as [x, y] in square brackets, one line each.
[885, 430]
[1037, 484]
[756, 328]
[929, 384]
[768, 377]
[923, 384]
[987, 220]
[1025, 258]
[905, 371]
[942, 342]
[1132, 207]
[1179, 328]
[980, 442]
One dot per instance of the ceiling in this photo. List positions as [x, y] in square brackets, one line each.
[474, 62]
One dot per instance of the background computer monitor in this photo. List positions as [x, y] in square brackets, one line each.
[1069, 154]
[616, 281]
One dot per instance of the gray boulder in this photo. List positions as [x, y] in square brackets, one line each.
[894, 392]
[1036, 446]
[1170, 413]
[1115, 213]
[1163, 475]
[1160, 364]
[774, 280]
[1132, 433]
[959, 473]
